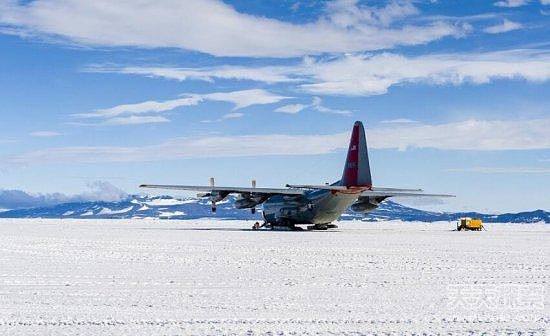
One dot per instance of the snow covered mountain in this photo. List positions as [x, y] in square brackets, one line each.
[166, 207]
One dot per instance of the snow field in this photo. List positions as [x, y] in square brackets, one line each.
[143, 277]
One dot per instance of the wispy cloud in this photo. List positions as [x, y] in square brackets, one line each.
[44, 134]
[503, 27]
[214, 27]
[135, 120]
[245, 98]
[398, 121]
[511, 3]
[316, 105]
[291, 108]
[373, 74]
[502, 170]
[482, 135]
[182, 148]
[140, 113]
[97, 191]
[463, 18]
[234, 115]
[266, 74]
[141, 108]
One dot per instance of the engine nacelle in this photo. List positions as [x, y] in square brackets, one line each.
[248, 202]
[363, 207]
[366, 204]
[217, 196]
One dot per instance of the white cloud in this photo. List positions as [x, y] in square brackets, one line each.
[134, 113]
[214, 27]
[398, 121]
[245, 98]
[481, 135]
[44, 134]
[291, 108]
[463, 18]
[234, 115]
[266, 74]
[346, 13]
[97, 191]
[211, 146]
[142, 108]
[503, 27]
[317, 105]
[545, 2]
[512, 3]
[375, 74]
[502, 170]
[102, 191]
[135, 120]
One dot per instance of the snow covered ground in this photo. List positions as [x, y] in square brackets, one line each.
[143, 277]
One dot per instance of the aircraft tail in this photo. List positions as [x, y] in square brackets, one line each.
[357, 168]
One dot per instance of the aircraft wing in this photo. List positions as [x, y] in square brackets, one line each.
[344, 188]
[388, 192]
[229, 190]
[397, 193]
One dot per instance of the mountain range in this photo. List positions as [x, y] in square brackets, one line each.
[167, 207]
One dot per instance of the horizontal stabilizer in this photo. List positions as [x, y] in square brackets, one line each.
[400, 194]
[374, 191]
[314, 186]
[395, 189]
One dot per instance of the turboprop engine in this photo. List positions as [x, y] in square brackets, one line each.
[214, 196]
[366, 204]
[249, 201]
[217, 196]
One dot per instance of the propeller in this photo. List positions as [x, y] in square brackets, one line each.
[253, 209]
[212, 182]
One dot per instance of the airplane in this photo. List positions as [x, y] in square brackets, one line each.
[314, 205]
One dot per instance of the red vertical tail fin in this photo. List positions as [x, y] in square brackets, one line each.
[357, 169]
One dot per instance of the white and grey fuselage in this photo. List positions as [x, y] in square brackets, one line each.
[314, 207]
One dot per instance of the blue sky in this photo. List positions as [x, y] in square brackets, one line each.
[454, 95]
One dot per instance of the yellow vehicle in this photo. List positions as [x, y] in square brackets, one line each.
[469, 224]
